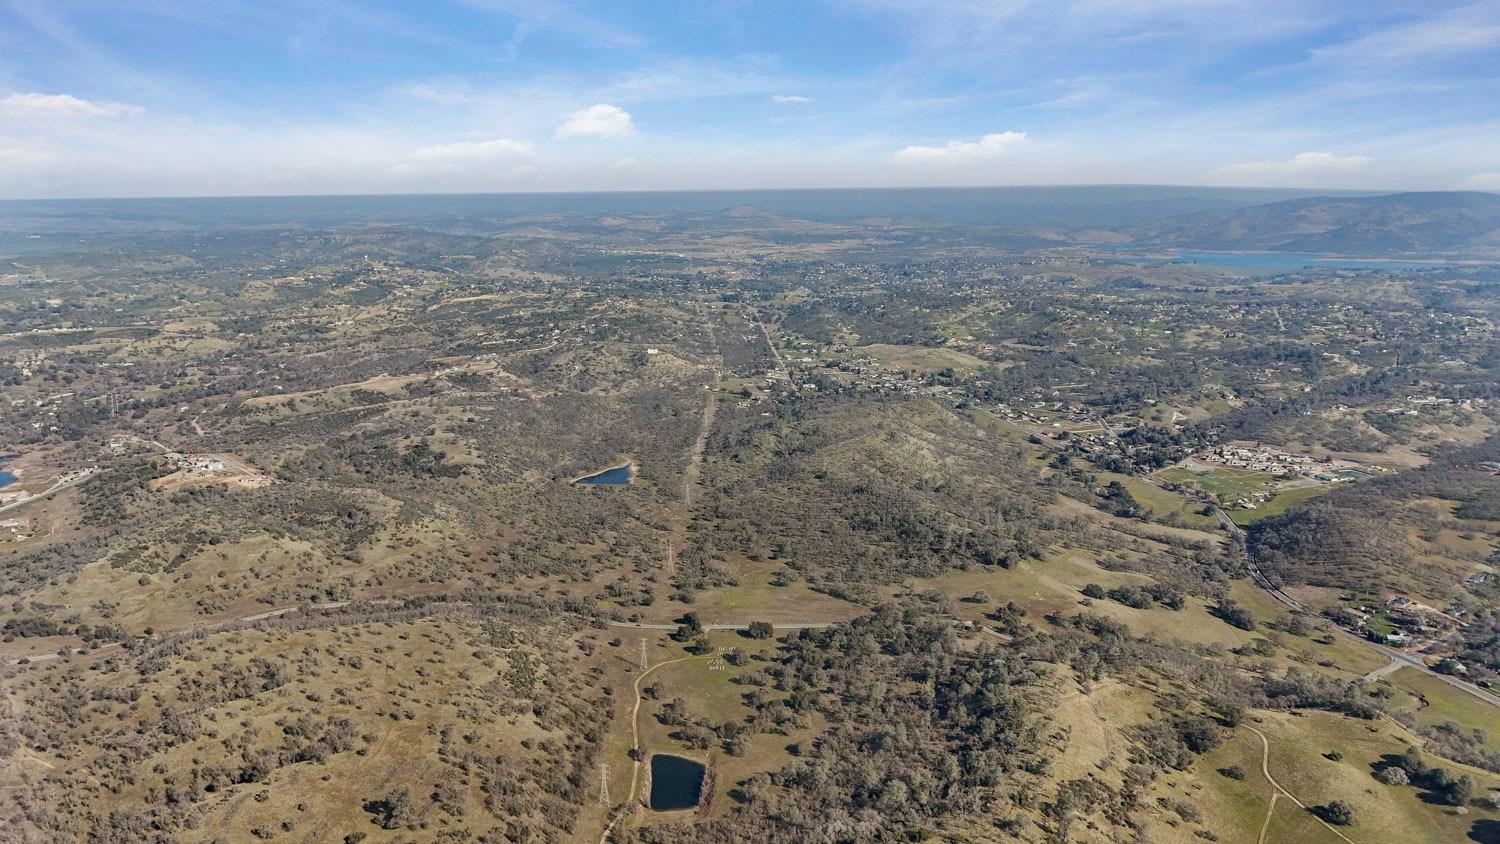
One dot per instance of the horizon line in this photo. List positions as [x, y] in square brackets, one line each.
[619, 192]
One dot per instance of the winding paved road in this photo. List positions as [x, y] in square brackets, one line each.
[1383, 671]
[1397, 659]
[46, 493]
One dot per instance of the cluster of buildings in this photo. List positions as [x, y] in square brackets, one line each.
[1430, 399]
[1275, 462]
[198, 464]
[1259, 459]
[1417, 621]
[1061, 414]
[1413, 625]
[77, 474]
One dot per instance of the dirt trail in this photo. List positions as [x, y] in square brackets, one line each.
[221, 623]
[635, 743]
[784, 625]
[695, 455]
[770, 344]
[1270, 810]
[678, 520]
[1265, 769]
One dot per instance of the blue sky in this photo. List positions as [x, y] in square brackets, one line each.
[215, 97]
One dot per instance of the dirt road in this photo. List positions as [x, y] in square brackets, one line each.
[220, 623]
[629, 808]
[1265, 770]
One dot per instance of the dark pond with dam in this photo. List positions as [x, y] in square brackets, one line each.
[676, 783]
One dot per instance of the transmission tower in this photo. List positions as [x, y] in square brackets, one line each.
[604, 784]
[644, 664]
[671, 559]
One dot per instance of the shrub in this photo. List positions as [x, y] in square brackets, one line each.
[394, 810]
[1234, 772]
[1394, 775]
[1230, 612]
[1337, 812]
[1458, 792]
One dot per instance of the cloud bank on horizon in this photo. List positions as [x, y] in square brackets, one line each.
[222, 97]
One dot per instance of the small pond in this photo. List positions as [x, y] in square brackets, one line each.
[6, 478]
[614, 476]
[676, 783]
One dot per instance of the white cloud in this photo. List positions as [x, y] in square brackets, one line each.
[476, 150]
[627, 163]
[989, 146]
[598, 121]
[63, 105]
[1482, 181]
[789, 98]
[1302, 166]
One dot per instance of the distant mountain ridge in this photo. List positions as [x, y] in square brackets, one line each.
[1455, 223]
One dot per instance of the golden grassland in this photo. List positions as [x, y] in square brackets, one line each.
[1228, 484]
[1237, 810]
[1431, 701]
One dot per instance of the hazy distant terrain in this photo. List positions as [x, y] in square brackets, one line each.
[1460, 225]
[1100, 206]
[1424, 224]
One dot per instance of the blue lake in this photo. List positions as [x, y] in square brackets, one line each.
[1287, 261]
[6, 478]
[676, 783]
[613, 476]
